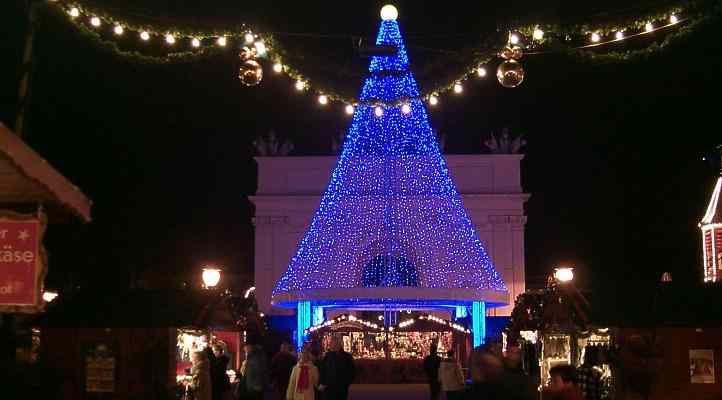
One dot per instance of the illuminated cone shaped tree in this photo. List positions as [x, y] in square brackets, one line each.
[391, 229]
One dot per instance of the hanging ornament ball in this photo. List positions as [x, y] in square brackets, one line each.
[511, 53]
[510, 74]
[247, 53]
[250, 73]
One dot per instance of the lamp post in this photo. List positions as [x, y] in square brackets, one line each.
[49, 295]
[564, 274]
[211, 277]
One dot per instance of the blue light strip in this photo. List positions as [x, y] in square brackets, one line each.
[460, 312]
[303, 317]
[318, 317]
[478, 322]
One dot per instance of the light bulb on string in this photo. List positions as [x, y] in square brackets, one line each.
[514, 38]
[458, 88]
[389, 13]
[221, 41]
[260, 48]
[278, 67]
[481, 72]
[74, 12]
[538, 34]
[144, 35]
[433, 100]
[95, 21]
[349, 109]
[595, 37]
[249, 38]
[648, 27]
[378, 111]
[405, 108]
[118, 30]
[323, 100]
[619, 35]
[300, 85]
[170, 39]
[195, 42]
[673, 19]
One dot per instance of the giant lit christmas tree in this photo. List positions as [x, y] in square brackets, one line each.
[391, 230]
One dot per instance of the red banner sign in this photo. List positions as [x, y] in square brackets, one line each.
[20, 262]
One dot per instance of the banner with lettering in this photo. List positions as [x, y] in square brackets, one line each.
[21, 266]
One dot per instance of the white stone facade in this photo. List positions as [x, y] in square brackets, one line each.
[290, 189]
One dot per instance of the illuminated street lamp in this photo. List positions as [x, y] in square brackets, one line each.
[564, 274]
[211, 277]
[49, 295]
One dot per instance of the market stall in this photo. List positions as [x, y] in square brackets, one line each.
[394, 353]
[137, 343]
[551, 328]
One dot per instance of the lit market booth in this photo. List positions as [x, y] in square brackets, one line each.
[393, 354]
[551, 327]
[137, 343]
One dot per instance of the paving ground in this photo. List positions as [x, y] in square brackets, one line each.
[389, 392]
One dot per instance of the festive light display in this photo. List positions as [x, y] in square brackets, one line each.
[441, 321]
[303, 323]
[478, 316]
[553, 37]
[342, 318]
[391, 215]
[711, 227]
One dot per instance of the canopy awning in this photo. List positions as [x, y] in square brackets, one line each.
[27, 178]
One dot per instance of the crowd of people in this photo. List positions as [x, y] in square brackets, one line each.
[306, 376]
[494, 375]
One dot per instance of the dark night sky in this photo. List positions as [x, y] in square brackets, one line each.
[613, 162]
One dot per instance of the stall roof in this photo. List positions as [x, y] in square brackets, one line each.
[139, 308]
[27, 178]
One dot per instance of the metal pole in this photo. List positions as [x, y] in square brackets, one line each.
[26, 68]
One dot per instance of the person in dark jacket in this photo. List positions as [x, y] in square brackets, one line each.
[337, 372]
[515, 383]
[431, 369]
[220, 384]
[254, 372]
[281, 366]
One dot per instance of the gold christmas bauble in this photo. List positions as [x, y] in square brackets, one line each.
[510, 74]
[250, 73]
[247, 53]
[511, 53]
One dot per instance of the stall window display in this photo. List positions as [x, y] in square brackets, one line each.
[556, 350]
[365, 340]
[417, 345]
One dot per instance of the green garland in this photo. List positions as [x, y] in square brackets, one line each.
[566, 39]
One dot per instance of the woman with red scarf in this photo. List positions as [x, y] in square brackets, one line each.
[304, 379]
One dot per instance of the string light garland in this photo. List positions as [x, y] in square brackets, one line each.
[402, 325]
[536, 39]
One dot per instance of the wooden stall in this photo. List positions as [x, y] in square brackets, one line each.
[392, 354]
[136, 343]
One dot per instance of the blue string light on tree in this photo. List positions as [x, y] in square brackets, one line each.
[391, 216]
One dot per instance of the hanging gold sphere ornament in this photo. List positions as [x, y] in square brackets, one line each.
[247, 53]
[250, 73]
[511, 53]
[510, 74]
